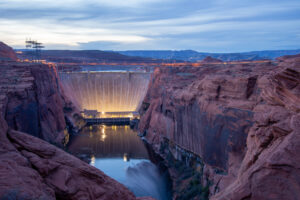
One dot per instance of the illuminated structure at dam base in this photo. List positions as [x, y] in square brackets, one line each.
[106, 95]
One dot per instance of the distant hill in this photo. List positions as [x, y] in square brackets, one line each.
[190, 55]
[84, 56]
[151, 56]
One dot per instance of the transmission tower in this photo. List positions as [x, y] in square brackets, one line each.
[36, 47]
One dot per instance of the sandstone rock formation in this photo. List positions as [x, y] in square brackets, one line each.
[33, 169]
[31, 101]
[270, 168]
[7, 53]
[241, 120]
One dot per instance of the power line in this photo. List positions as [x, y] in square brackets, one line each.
[36, 47]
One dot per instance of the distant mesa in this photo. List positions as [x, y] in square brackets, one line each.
[7, 53]
[210, 59]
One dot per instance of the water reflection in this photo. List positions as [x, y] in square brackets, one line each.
[103, 141]
[120, 153]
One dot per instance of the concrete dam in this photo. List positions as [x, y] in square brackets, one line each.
[106, 94]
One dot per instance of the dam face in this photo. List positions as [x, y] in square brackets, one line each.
[106, 92]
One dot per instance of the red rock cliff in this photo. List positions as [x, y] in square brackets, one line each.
[242, 119]
[7, 53]
[31, 101]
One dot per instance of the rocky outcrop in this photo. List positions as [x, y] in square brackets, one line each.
[237, 125]
[33, 169]
[7, 53]
[31, 101]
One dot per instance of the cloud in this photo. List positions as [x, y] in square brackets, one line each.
[217, 25]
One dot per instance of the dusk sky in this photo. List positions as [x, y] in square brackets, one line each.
[206, 26]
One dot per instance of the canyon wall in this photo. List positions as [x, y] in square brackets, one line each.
[236, 125]
[31, 101]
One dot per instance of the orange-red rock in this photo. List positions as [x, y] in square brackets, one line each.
[240, 118]
[32, 101]
[33, 169]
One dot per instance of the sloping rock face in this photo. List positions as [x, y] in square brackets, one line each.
[33, 169]
[31, 101]
[7, 53]
[238, 125]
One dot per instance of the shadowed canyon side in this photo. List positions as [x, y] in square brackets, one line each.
[32, 101]
[227, 131]
[106, 91]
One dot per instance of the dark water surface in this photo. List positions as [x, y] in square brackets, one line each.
[122, 155]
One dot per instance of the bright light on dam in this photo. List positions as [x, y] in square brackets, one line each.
[106, 92]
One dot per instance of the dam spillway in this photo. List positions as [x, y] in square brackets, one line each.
[106, 92]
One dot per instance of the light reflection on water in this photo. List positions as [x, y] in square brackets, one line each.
[120, 153]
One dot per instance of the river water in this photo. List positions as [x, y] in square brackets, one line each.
[122, 155]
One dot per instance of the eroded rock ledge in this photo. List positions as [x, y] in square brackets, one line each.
[236, 125]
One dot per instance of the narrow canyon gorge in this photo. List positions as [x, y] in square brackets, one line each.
[223, 132]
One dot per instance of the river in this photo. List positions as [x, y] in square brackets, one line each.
[122, 155]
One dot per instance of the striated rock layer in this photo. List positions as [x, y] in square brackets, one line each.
[237, 125]
[31, 101]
